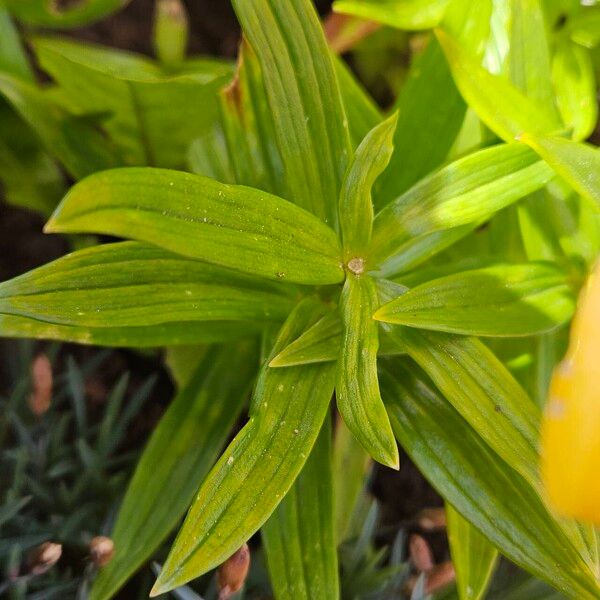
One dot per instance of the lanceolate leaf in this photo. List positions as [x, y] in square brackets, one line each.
[356, 205]
[499, 104]
[304, 96]
[575, 86]
[577, 162]
[178, 456]
[473, 556]
[467, 191]
[403, 14]
[233, 226]
[357, 389]
[299, 536]
[134, 285]
[501, 300]
[478, 385]
[481, 486]
[259, 466]
[152, 117]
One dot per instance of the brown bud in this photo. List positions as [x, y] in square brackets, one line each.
[232, 573]
[102, 549]
[431, 519]
[43, 557]
[420, 553]
[41, 379]
[439, 577]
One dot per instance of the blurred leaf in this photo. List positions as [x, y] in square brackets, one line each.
[44, 13]
[13, 58]
[199, 217]
[259, 466]
[473, 556]
[299, 536]
[356, 206]
[577, 162]
[136, 285]
[357, 389]
[575, 85]
[72, 140]
[351, 468]
[178, 456]
[500, 300]
[479, 484]
[151, 117]
[171, 32]
[469, 190]
[584, 27]
[509, 117]
[403, 14]
[312, 132]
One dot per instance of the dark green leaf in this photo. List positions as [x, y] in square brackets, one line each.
[357, 389]
[13, 59]
[500, 300]
[180, 453]
[259, 466]
[299, 536]
[233, 226]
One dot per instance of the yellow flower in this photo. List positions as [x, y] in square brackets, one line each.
[571, 427]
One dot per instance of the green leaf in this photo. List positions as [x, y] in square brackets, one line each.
[134, 285]
[584, 27]
[482, 90]
[304, 97]
[13, 59]
[468, 191]
[200, 218]
[529, 54]
[351, 468]
[181, 451]
[430, 114]
[299, 536]
[259, 466]
[575, 85]
[43, 13]
[480, 485]
[473, 556]
[357, 389]
[152, 117]
[171, 32]
[480, 387]
[356, 205]
[576, 162]
[72, 140]
[500, 300]
[402, 14]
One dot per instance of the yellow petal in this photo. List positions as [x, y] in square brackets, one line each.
[571, 426]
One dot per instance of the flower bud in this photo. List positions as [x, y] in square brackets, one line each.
[420, 553]
[571, 425]
[233, 572]
[41, 380]
[102, 549]
[43, 557]
[430, 519]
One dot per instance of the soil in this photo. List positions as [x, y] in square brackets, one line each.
[214, 31]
